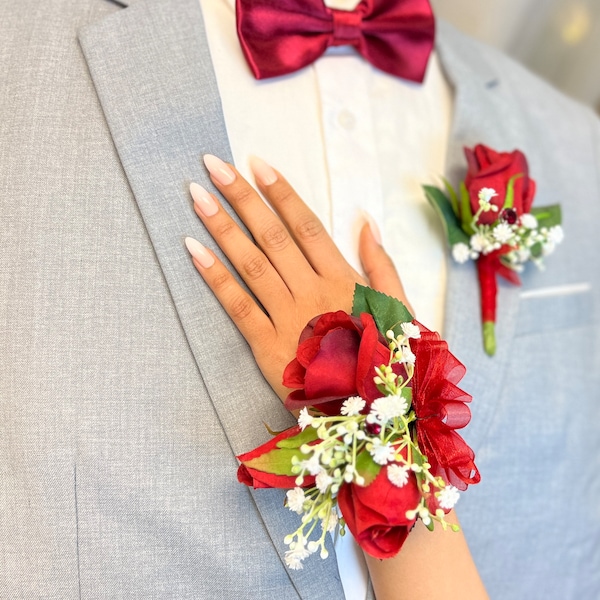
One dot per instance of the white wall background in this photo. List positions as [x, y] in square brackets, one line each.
[559, 39]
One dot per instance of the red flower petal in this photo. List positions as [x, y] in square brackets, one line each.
[293, 375]
[332, 371]
[376, 514]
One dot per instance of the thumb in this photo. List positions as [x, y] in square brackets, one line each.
[378, 266]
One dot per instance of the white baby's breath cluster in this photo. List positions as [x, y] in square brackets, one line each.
[335, 458]
[526, 239]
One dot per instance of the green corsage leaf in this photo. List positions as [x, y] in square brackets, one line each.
[388, 312]
[306, 437]
[452, 196]
[367, 467]
[466, 213]
[547, 216]
[443, 207]
[509, 199]
[276, 462]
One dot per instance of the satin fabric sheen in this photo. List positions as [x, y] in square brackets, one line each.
[283, 36]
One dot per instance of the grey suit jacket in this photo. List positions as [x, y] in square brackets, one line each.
[126, 392]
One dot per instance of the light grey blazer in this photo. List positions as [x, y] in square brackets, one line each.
[125, 391]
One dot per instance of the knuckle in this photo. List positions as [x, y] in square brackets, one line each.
[221, 281]
[285, 196]
[255, 266]
[240, 308]
[225, 229]
[275, 237]
[243, 196]
[309, 230]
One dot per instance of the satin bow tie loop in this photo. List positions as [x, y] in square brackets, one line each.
[283, 36]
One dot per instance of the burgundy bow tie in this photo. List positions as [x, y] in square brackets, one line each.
[282, 36]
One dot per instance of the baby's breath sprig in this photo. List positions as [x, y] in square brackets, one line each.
[522, 234]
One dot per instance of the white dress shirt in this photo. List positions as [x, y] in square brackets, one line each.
[350, 139]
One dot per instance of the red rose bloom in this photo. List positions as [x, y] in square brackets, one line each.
[336, 359]
[376, 514]
[440, 408]
[491, 169]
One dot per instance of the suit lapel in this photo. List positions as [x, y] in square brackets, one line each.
[153, 74]
[477, 99]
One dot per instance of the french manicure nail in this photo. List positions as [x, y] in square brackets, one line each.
[199, 252]
[218, 169]
[264, 173]
[203, 200]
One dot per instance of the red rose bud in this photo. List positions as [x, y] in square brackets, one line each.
[376, 514]
[491, 169]
[268, 466]
[336, 359]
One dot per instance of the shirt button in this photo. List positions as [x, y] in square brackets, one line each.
[346, 119]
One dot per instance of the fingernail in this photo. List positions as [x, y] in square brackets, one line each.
[374, 228]
[264, 173]
[203, 200]
[218, 169]
[199, 252]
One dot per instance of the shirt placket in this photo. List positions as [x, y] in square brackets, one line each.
[350, 149]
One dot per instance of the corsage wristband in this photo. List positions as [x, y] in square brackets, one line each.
[376, 446]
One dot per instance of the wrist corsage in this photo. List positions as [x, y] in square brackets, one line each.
[375, 447]
[491, 221]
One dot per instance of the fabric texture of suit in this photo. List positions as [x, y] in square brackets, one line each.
[126, 392]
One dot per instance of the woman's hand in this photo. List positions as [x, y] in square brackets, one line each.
[294, 269]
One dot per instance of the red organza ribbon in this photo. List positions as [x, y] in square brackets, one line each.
[440, 409]
[282, 36]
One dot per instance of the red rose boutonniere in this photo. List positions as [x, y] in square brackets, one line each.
[492, 221]
[376, 446]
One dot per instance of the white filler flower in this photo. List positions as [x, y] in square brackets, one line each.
[398, 474]
[295, 499]
[304, 419]
[461, 253]
[448, 497]
[352, 406]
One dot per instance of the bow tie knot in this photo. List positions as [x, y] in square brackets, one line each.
[282, 36]
[347, 27]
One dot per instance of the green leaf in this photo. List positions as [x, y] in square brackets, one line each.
[536, 250]
[277, 461]
[453, 197]
[509, 199]
[388, 312]
[466, 214]
[446, 212]
[367, 467]
[305, 437]
[406, 393]
[547, 216]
